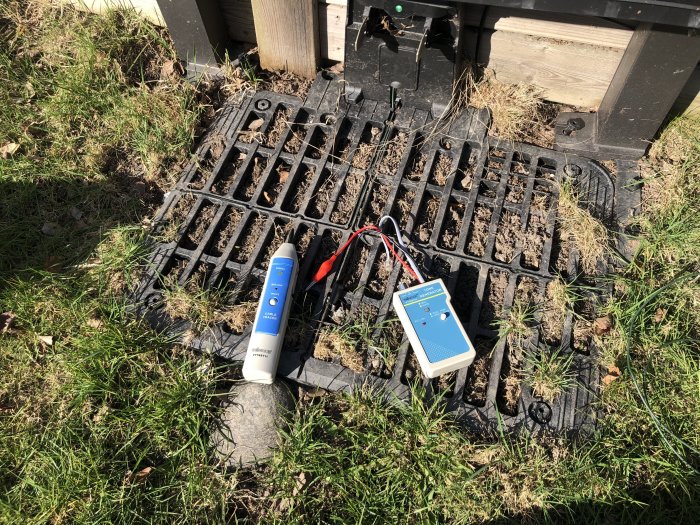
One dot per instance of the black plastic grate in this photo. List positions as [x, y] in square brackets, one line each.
[480, 213]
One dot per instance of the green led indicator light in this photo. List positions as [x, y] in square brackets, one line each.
[398, 8]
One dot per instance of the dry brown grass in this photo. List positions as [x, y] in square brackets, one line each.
[517, 110]
[240, 316]
[664, 170]
[332, 343]
[589, 234]
[205, 308]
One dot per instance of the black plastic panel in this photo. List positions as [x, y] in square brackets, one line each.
[480, 213]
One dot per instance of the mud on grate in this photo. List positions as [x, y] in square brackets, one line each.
[480, 213]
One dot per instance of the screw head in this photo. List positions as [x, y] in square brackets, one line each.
[540, 411]
[263, 104]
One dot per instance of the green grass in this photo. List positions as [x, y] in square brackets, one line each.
[110, 422]
[96, 132]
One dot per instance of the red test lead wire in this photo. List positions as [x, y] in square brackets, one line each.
[327, 266]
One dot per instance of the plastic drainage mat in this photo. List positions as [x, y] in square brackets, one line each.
[480, 213]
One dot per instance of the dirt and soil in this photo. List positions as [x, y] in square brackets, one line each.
[295, 140]
[348, 197]
[377, 203]
[426, 218]
[275, 182]
[298, 192]
[227, 175]
[582, 333]
[246, 243]
[393, 154]
[442, 169]
[446, 383]
[533, 241]
[526, 292]
[465, 176]
[246, 190]
[196, 280]
[515, 190]
[378, 277]
[412, 368]
[217, 144]
[519, 167]
[494, 296]
[304, 236]
[453, 224]
[417, 164]
[357, 264]
[330, 241]
[332, 345]
[195, 233]
[279, 125]
[553, 314]
[176, 215]
[478, 235]
[251, 132]
[402, 206]
[561, 252]
[173, 274]
[477, 382]
[407, 278]
[279, 235]
[365, 149]
[224, 231]
[322, 196]
[507, 236]
[510, 380]
[240, 316]
[341, 150]
[317, 144]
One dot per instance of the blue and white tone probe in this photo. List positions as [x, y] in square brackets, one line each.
[265, 345]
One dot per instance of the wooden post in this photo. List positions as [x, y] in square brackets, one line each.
[287, 35]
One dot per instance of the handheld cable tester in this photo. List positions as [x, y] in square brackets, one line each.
[433, 328]
[270, 325]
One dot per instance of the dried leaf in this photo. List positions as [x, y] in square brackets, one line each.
[7, 319]
[46, 339]
[301, 482]
[256, 124]
[602, 325]
[613, 374]
[171, 69]
[267, 198]
[659, 315]
[337, 68]
[284, 175]
[8, 149]
[95, 323]
[142, 474]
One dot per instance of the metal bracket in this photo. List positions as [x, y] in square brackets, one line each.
[198, 30]
[654, 69]
[413, 49]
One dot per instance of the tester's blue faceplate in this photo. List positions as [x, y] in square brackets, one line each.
[436, 327]
[274, 296]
